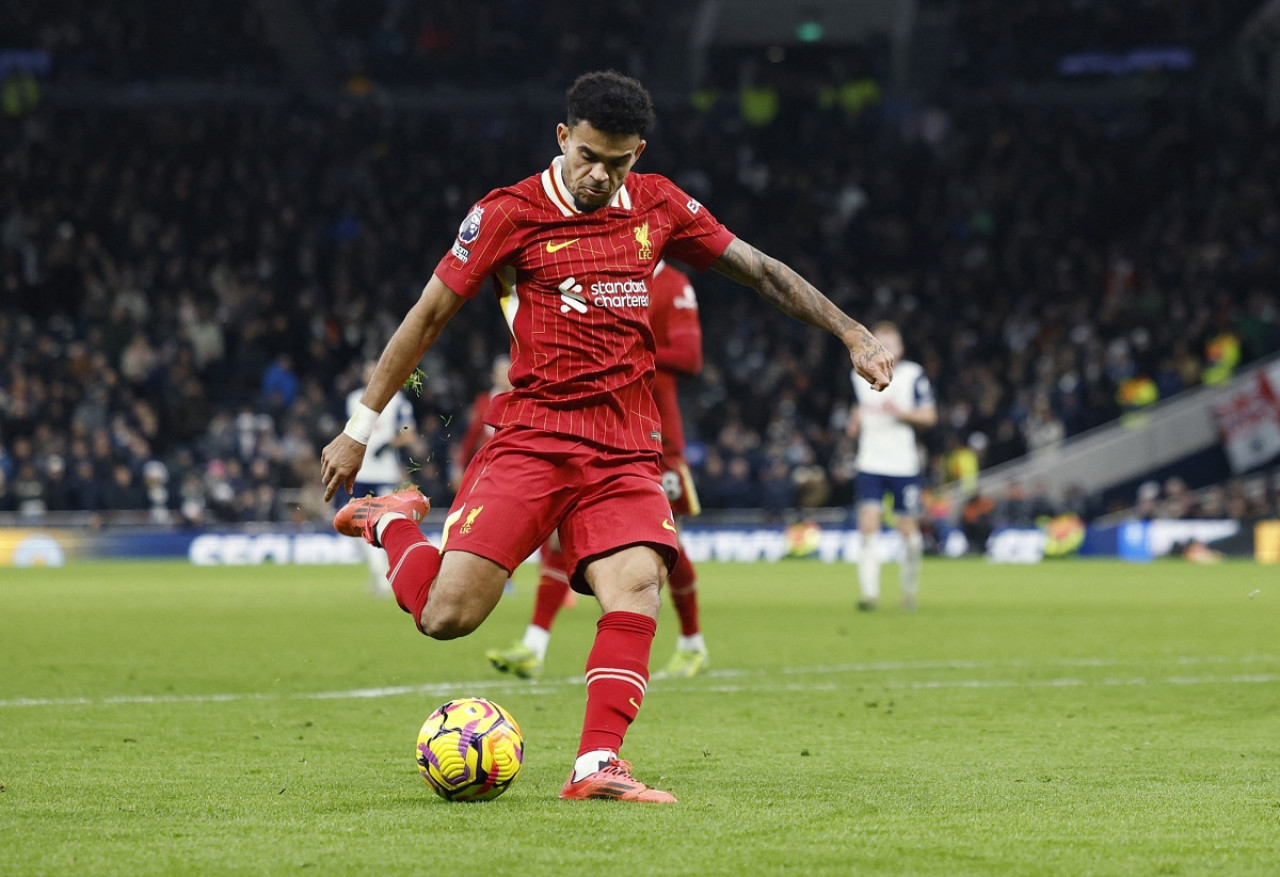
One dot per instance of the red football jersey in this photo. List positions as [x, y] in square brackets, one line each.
[574, 288]
[677, 333]
[478, 432]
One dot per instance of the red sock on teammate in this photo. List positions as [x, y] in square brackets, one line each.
[553, 587]
[684, 594]
[691, 656]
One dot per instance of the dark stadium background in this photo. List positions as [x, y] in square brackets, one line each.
[211, 213]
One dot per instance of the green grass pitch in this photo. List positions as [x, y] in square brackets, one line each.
[1077, 717]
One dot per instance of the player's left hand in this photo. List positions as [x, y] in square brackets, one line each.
[870, 360]
[339, 462]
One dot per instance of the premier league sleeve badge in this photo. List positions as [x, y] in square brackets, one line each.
[470, 228]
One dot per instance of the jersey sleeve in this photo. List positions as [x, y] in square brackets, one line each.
[487, 239]
[923, 391]
[473, 437]
[697, 237]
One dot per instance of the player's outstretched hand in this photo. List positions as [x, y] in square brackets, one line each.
[871, 360]
[339, 462]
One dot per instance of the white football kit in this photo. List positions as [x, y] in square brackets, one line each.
[886, 445]
[889, 470]
[381, 465]
[380, 472]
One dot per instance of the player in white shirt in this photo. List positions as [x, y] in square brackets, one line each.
[888, 460]
[381, 472]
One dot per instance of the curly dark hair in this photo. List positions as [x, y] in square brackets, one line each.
[610, 102]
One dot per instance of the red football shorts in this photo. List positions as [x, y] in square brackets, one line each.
[525, 483]
[678, 485]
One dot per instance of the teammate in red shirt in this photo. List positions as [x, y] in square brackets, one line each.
[478, 432]
[578, 439]
[677, 334]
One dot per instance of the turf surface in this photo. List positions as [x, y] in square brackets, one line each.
[1070, 718]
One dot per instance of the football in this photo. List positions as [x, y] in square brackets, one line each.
[470, 749]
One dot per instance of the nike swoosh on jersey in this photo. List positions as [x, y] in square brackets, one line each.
[551, 248]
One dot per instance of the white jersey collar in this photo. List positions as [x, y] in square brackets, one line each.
[559, 195]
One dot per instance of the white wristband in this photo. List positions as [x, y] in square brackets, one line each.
[360, 425]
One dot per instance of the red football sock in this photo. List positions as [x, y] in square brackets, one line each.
[684, 594]
[415, 563]
[547, 604]
[617, 676]
[553, 586]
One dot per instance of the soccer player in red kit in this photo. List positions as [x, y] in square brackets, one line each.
[578, 439]
[478, 432]
[677, 336]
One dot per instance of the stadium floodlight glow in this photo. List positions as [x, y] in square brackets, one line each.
[809, 31]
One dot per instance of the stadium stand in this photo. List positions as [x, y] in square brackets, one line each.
[188, 292]
[143, 40]
[998, 43]
[485, 43]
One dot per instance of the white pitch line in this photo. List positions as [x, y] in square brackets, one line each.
[452, 689]
[1021, 663]
[434, 688]
[917, 684]
[931, 684]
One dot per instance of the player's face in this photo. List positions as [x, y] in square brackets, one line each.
[892, 342]
[501, 374]
[595, 163]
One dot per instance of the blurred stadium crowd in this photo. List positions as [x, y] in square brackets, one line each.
[142, 40]
[190, 294]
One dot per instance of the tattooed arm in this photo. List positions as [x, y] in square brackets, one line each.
[792, 294]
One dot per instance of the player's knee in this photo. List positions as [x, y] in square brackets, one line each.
[462, 596]
[628, 580]
[648, 591]
[449, 622]
[647, 586]
[452, 613]
[635, 594]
